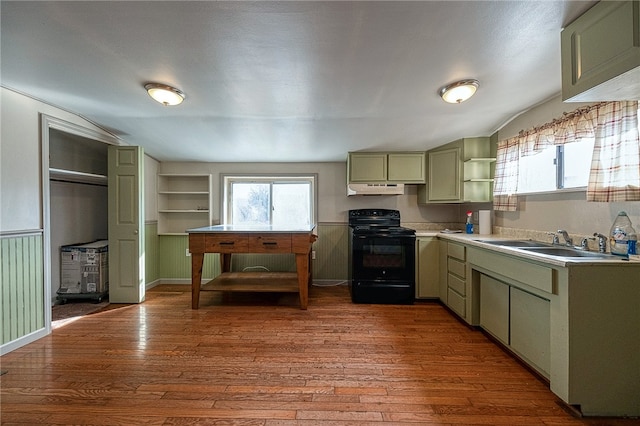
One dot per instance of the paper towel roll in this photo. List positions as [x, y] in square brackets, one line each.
[484, 217]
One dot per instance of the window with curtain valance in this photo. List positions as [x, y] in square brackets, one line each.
[614, 173]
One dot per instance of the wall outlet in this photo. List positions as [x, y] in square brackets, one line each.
[475, 216]
[313, 254]
[187, 253]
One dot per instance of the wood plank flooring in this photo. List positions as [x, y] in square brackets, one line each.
[245, 359]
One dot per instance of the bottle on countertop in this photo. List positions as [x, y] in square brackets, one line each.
[633, 244]
[623, 237]
[469, 224]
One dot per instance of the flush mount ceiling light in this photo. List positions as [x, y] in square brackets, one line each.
[459, 91]
[166, 95]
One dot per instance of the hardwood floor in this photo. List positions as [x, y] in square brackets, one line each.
[244, 359]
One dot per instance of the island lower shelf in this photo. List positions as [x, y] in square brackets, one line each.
[277, 282]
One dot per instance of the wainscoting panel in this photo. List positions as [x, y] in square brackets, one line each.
[331, 262]
[175, 264]
[151, 252]
[332, 252]
[22, 285]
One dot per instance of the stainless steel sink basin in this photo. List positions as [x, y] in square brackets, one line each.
[516, 243]
[548, 249]
[566, 252]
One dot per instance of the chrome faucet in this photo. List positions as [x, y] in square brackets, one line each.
[555, 239]
[602, 242]
[567, 240]
[584, 243]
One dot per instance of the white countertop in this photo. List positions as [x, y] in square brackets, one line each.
[476, 240]
[252, 228]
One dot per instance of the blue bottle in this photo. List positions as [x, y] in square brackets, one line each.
[469, 224]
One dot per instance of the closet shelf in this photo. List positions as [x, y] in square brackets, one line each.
[77, 177]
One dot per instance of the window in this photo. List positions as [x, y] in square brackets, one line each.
[598, 144]
[269, 200]
[556, 167]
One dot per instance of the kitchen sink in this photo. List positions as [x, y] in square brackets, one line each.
[516, 243]
[566, 252]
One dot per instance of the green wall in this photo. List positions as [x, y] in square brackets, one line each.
[21, 286]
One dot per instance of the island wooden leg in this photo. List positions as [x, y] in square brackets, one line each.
[197, 260]
[302, 267]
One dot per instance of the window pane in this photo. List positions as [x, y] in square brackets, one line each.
[538, 172]
[291, 204]
[269, 200]
[577, 161]
[250, 203]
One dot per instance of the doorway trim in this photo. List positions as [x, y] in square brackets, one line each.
[48, 123]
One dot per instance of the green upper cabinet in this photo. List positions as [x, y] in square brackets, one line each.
[460, 171]
[601, 54]
[444, 183]
[383, 167]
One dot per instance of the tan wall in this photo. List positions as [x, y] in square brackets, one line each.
[333, 203]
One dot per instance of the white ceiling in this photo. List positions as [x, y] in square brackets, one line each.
[286, 81]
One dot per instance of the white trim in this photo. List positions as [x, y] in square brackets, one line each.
[226, 179]
[47, 123]
[555, 191]
[26, 339]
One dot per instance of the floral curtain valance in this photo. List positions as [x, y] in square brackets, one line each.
[615, 167]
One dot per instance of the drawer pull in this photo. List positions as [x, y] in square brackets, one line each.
[269, 243]
[227, 243]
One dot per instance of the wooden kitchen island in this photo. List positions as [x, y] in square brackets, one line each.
[231, 239]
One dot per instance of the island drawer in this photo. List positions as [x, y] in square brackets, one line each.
[220, 243]
[270, 243]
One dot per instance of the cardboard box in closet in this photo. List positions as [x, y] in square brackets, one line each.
[84, 268]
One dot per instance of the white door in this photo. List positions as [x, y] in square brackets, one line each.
[126, 225]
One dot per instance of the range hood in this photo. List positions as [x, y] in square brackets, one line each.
[375, 189]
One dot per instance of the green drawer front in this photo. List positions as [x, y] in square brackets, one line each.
[456, 303]
[456, 251]
[456, 267]
[457, 284]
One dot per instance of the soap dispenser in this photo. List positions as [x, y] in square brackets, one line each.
[469, 224]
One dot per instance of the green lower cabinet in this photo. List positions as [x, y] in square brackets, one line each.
[576, 323]
[518, 319]
[530, 328]
[427, 268]
[494, 308]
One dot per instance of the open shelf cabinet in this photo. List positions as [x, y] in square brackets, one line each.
[184, 202]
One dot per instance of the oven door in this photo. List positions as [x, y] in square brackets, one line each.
[383, 258]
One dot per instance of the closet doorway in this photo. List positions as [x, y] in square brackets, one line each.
[75, 194]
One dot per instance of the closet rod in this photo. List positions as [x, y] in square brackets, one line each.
[77, 177]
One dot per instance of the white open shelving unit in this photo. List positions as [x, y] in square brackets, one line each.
[184, 202]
